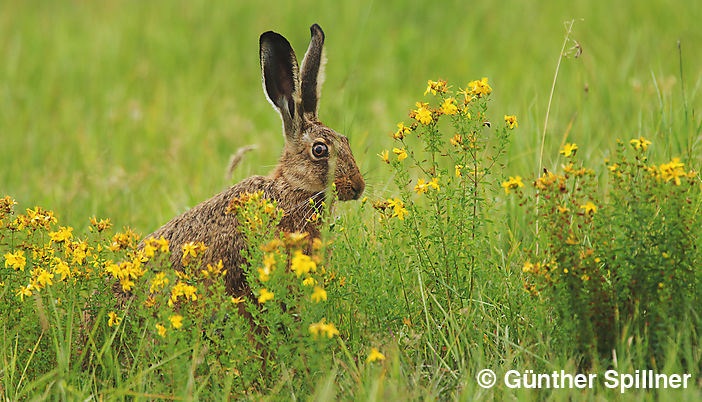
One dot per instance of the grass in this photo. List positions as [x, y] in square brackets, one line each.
[130, 110]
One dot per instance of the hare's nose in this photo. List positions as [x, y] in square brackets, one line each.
[358, 185]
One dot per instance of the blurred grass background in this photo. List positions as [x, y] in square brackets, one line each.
[131, 109]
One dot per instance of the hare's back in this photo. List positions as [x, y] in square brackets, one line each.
[209, 223]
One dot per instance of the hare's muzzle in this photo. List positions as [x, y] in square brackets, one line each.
[350, 188]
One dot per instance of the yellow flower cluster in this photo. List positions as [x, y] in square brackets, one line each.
[152, 245]
[400, 152]
[16, 260]
[424, 186]
[319, 294]
[436, 86]
[375, 355]
[640, 143]
[422, 114]
[254, 210]
[569, 150]
[99, 226]
[176, 321]
[113, 319]
[402, 130]
[323, 328]
[512, 183]
[398, 208]
[478, 88]
[589, 208]
[34, 219]
[548, 179]
[191, 251]
[127, 272]
[124, 241]
[264, 274]
[158, 283]
[265, 296]
[63, 235]
[302, 264]
[449, 106]
[511, 121]
[182, 289]
[671, 171]
[577, 172]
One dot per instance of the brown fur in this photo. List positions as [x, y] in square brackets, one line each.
[298, 177]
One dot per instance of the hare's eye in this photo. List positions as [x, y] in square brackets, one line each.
[320, 150]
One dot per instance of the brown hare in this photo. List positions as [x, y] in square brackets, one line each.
[311, 155]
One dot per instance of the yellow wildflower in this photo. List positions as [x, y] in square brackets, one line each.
[323, 328]
[39, 218]
[513, 182]
[434, 183]
[385, 156]
[78, 251]
[122, 241]
[114, 320]
[158, 283]
[569, 149]
[511, 121]
[44, 277]
[182, 289]
[375, 355]
[401, 153]
[401, 131]
[161, 330]
[527, 267]
[421, 187]
[589, 208]
[192, 250]
[61, 268]
[161, 243]
[449, 106]
[422, 114]
[309, 281]
[62, 235]
[148, 251]
[176, 321]
[640, 143]
[264, 274]
[319, 294]
[398, 208]
[436, 86]
[24, 291]
[458, 170]
[269, 260]
[237, 300]
[478, 88]
[563, 209]
[265, 296]
[456, 140]
[302, 264]
[99, 225]
[16, 260]
[127, 285]
[672, 170]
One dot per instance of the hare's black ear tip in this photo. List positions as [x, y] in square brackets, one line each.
[268, 35]
[315, 29]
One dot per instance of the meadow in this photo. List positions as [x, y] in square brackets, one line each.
[131, 110]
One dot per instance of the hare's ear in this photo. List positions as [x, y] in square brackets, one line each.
[281, 83]
[312, 73]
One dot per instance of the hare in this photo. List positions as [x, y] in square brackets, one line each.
[311, 155]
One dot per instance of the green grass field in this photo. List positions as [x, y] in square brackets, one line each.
[130, 110]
